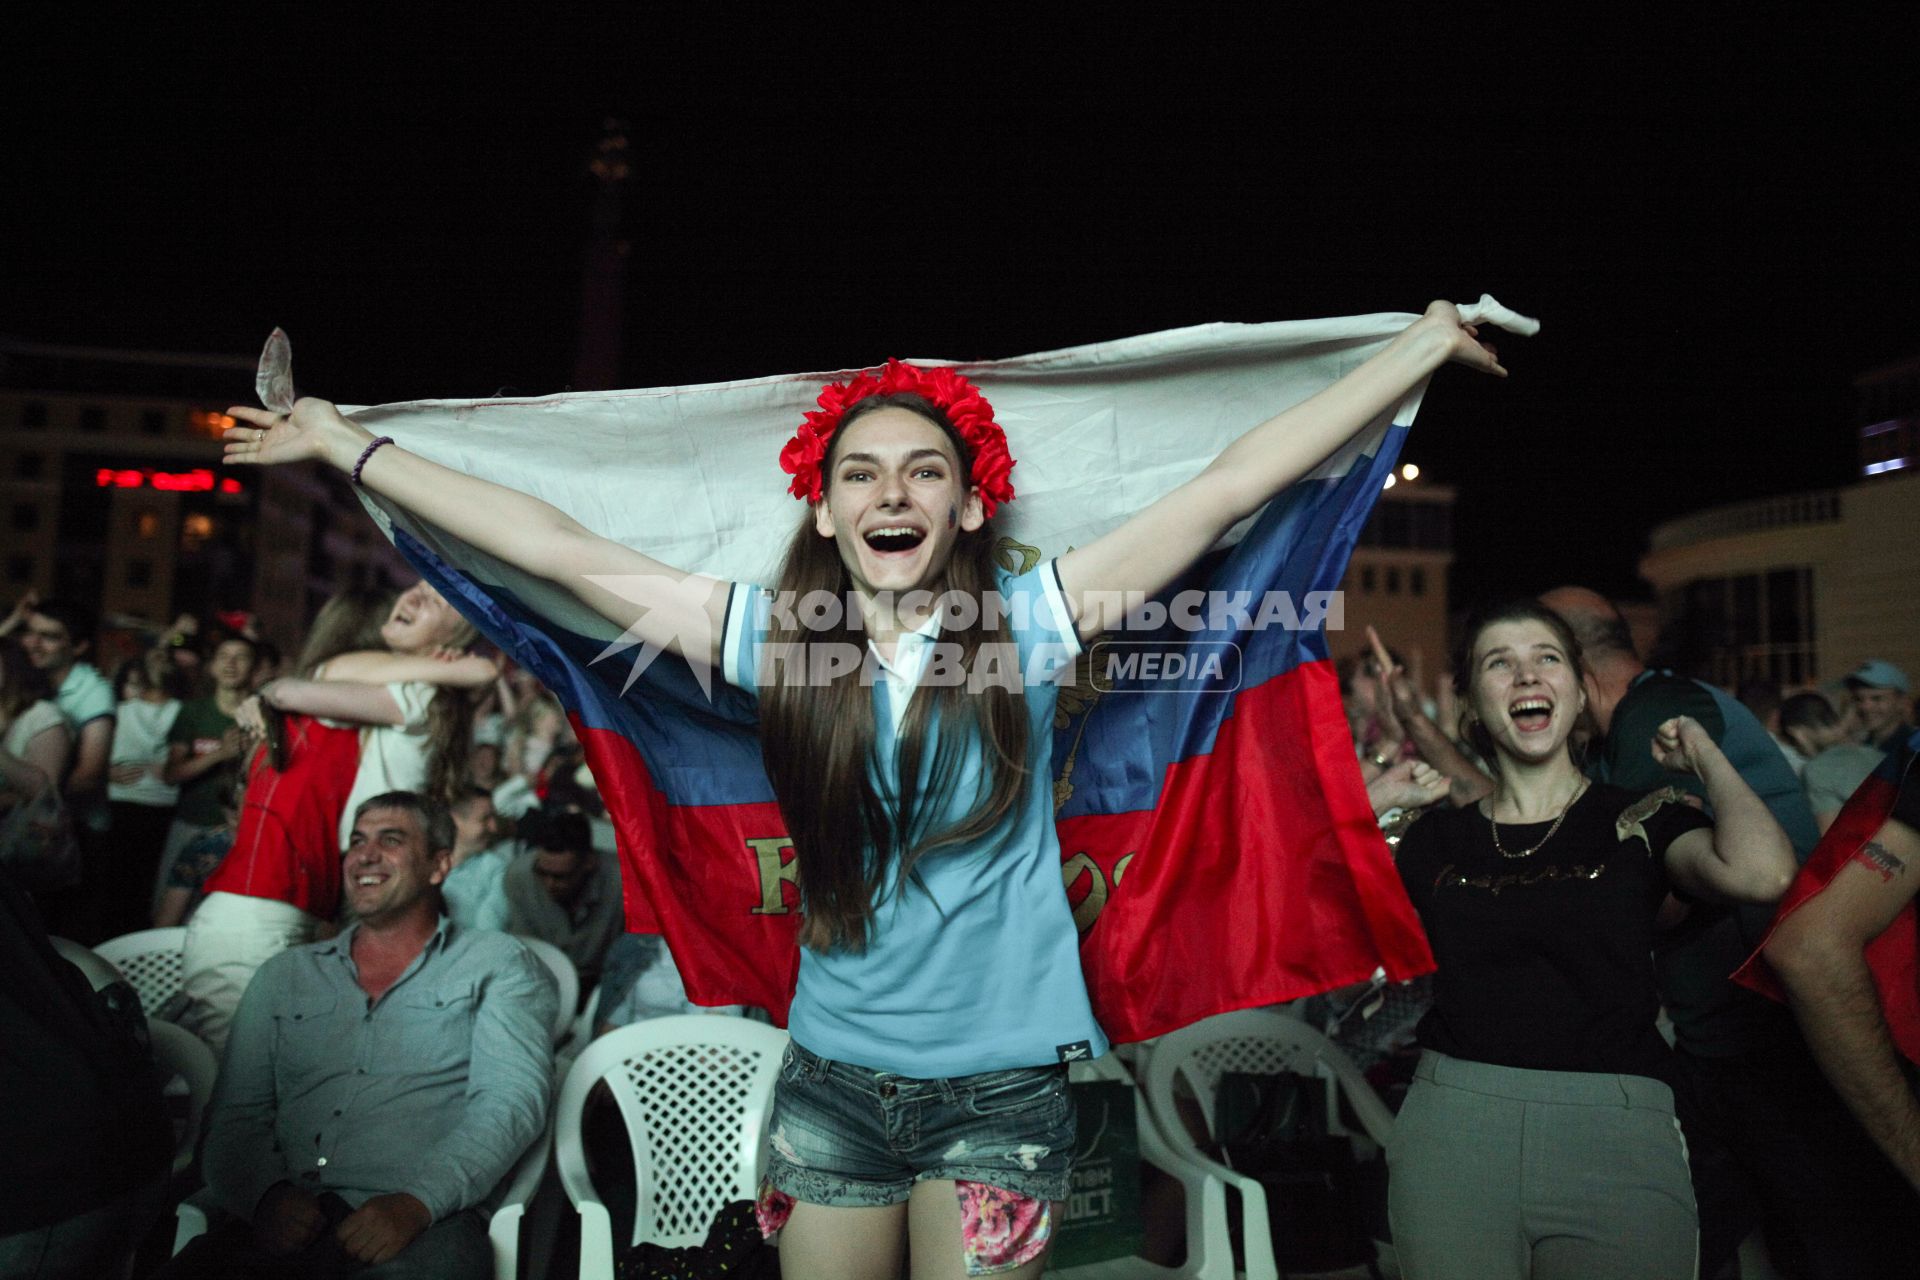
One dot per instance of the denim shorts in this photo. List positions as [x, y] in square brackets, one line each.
[846, 1136]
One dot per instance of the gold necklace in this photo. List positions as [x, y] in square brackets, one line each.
[1528, 853]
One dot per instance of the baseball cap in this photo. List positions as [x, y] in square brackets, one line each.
[1876, 673]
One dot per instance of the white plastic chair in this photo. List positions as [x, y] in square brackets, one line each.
[151, 961]
[1263, 1042]
[183, 1054]
[696, 1094]
[503, 1228]
[99, 971]
[565, 976]
[1209, 1251]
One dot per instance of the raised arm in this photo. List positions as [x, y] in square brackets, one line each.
[1744, 856]
[1819, 951]
[461, 671]
[662, 605]
[1466, 783]
[335, 700]
[1154, 546]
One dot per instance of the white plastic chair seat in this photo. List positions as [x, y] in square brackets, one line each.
[151, 961]
[1263, 1042]
[565, 976]
[696, 1094]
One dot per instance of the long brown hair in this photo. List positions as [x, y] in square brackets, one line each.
[21, 683]
[819, 737]
[348, 622]
[450, 730]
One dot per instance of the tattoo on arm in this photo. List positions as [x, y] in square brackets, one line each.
[1876, 855]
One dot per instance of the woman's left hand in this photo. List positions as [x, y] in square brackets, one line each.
[1682, 745]
[1463, 339]
[247, 715]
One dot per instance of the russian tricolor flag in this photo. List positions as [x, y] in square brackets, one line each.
[1217, 842]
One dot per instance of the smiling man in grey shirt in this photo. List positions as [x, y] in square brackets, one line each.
[378, 1087]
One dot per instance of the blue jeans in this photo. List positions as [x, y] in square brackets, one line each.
[847, 1136]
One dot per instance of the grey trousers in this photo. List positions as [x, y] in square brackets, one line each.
[1549, 1175]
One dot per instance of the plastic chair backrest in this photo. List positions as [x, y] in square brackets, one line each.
[1257, 1041]
[565, 976]
[151, 960]
[696, 1092]
[98, 970]
[181, 1053]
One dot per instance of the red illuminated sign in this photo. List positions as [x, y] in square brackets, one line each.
[199, 480]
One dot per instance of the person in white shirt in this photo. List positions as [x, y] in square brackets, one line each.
[139, 797]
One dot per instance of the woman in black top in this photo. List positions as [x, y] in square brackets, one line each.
[1538, 1139]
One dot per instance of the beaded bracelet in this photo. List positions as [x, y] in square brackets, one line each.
[368, 453]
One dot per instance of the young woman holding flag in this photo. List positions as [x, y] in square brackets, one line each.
[940, 994]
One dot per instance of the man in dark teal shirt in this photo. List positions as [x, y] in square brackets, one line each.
[1768, 1138]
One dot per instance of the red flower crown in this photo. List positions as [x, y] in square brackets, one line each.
[959, 399]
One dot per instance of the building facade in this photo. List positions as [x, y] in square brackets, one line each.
[1802, 588]
[114, 494]
[1397, 579]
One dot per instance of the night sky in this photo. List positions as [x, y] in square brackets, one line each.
[1713, 216]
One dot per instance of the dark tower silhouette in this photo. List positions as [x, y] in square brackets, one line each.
[596, 366]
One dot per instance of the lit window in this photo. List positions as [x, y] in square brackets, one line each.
[146, 524]
[196, 529]
[209, 423]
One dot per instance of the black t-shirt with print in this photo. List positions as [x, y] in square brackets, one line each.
[1546, 961]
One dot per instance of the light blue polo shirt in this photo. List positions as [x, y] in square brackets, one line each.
[976, 966]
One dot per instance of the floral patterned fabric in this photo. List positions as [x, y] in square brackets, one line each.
[1000, 1230]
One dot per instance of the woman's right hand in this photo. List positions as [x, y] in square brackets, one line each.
[315, 429]
[1408, 784]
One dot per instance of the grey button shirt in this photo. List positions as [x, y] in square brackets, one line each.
[435, 1090]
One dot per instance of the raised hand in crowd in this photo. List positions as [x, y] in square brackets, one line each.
[1407, 784]
[29, 601]
[1467, 783]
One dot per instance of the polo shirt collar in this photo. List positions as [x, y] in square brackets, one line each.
[909, 650]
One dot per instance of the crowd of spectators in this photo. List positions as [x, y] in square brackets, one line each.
[205, 783]
[201, 785]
